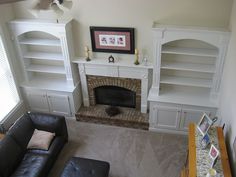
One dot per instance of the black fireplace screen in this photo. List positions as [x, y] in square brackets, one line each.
[115, 96]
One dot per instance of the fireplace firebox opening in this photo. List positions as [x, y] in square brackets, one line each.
[115, 96]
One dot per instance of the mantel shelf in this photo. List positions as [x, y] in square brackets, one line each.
[188, 67]
[190, 51]
[119, 62]
[42, 42]
[185, 81]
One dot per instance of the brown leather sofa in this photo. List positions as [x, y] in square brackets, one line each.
[18, 161]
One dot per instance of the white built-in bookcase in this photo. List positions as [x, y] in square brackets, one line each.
[188, 64]
[45, 49]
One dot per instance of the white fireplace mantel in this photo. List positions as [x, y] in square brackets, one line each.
[123, 68]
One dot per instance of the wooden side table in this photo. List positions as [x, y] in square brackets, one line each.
[192, 170]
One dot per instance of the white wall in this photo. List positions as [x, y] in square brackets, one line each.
[7, 15]
[227, 108]
[139, 14]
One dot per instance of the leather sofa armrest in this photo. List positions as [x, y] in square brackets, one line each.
[50, 123]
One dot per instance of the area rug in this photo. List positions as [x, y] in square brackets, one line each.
[130, 152]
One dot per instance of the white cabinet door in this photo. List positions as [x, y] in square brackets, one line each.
[59, 104]
[168, 117]
[37, 101]
[190, 116]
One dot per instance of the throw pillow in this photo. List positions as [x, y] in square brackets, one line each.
[40, 140]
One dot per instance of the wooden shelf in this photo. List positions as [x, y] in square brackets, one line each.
[186, 81]
[44, 56]
[188, 67]
[190, 51]
[46, 69]
[48, 83]
[38, 41]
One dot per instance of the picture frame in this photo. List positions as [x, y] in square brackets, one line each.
[213, 153]
[112, 39]
[205, 141]
[204, 124]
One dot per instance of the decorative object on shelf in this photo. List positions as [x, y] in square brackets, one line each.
[211, 173]
[214, 119]
[213, 153]
[112, 39]
[86, 50]
[205, 141]
[204, 124]
[111, 59]
[58, 6]
[136, 62]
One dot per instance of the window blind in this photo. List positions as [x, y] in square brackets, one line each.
[9, 97]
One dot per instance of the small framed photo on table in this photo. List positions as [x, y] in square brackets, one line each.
[205, 141]
[213, 153]
[204, 124]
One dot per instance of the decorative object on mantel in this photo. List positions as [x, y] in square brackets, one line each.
[86, 50]
[204, 124]
[136, 62]
[111, 59]
[112, 39]
[145, 61]
[58, 6]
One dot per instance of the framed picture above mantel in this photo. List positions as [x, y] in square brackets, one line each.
[112, 39]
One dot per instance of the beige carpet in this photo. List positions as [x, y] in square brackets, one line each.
[130, 152]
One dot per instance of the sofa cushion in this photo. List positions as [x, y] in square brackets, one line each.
[54, 149]
[22, 131]
[40, 140]
[32, 165]
[11, 155]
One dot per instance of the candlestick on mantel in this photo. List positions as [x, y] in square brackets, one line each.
[86, 50]
[136, 53]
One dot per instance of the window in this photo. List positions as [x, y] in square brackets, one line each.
[9, 97]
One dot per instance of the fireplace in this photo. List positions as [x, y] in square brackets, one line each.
[115, 96]
[114, 101]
